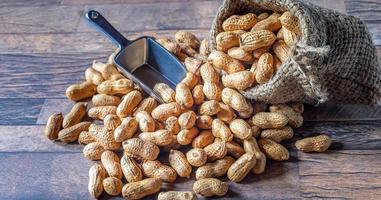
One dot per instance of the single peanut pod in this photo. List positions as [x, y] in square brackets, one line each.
[196, 157]
[131, 169]
[94, 128]
[280, 35]
[265, 69]
[147, 104]
[71, 134]
[193, 65]
[155, 169]
[227, 40]
[112, 186]
[216, 150]
[160, 137]
[239, 80]
[216, 169]
[111, 163]
[265, 120]
[220, 60]
[164, 111]
[241, 167]
[188, 39]
[297, 107]
[105, 100]
[96, 175]
[240, 129]
[198, 94]
[250, 145]
[185, 48]
[93, 76]
[140, 189]
[318, 143]
[190, 80]
[166, 93]
[271, 23]
[260, 165]
[141, 149]
[253, 40]
[278, 135]
[172, 125]
[210, 187]
[259, 52]
[170, 45]
[184, 95]
[114, 87]
[108, 71]
[240, 22]
[262, 16]
[294, 119]
[81, 91]
[177, 195]
[179, 163]
[240, 54]
[274, 150]
[100, 112]
[246, 114]
[281, 50]
[85, 137]
[53, 126]
[105, 137]
[204, 47]
[93, 151]
[226, 113]
[277, 63]
[235, 100]
[129, 103]
[146, 122]
[187, 120]
[111, 122]
[185, 136]
[203, 139]
[212, 91]
[234, 149]
[210, 108]
[221, 130]
[126, 129]
[290, 38]
[290, 22]
[204, 122]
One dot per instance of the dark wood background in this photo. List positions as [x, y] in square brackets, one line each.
[45, 45]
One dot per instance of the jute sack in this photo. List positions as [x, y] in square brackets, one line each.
[334, 60]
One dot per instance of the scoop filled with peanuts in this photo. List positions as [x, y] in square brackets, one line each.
[204, 123]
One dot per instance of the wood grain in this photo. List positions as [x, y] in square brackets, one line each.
[12, 3]
[341, 112]
[103, 2]
[19, 111]
[341, 175]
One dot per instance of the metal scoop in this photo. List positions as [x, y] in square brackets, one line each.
[143, 60]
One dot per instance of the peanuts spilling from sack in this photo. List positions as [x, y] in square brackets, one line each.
[204, 123]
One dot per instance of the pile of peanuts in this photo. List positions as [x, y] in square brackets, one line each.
[205, 123]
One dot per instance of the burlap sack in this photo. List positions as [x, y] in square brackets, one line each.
[334, 61]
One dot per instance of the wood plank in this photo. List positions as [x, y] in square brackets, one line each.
[19, 111]
[103, 2]
[341, 112]
[341, 175]
[40, 19]
[11, 3]
[338, 5]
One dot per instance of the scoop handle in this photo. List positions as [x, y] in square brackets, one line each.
[100, 23]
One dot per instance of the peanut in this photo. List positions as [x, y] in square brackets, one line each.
[196, 157]
[179, 163]
[111, 163]
[184, 95]
[280, 35]
[240, 22]
[262, 16]
[260, 166]
[177, 195]
[198, 94]
[131, 169]
[240, 54]
[223, 61]
[93, 76]
[239, 80]
[251, 146]
[185, 136]
[126, 130]
[105, 100]
[226, 113]
[164, 111]
[193, 65]
[318, 143]
[146, 122]
[221, 130]
[129, 103]
[208, 73]
[112, 186]
[210, 108]
[187, 120]
[140, 189]
[108, 71]
[294, 119]
[204, 122]
[111, 122]
[203, 139]
[290, 22]
[190, 80]
[265, 68]
[111, 58]
[259, 52]
[234, 149]
[273, 150]
[188, 50]
[266, 120]
[241, 167]
[147, 104]
[212, 91]
[290, 38]
[235, 100]
[278, 135]
[115, 87]
[172, 125]
[93, 151]
[105, 137]
[155, 169]
[240, 129]
[85, 137]
[166, 93]
[216, 169]
[227, 40]
[281, 50]
[96, 175]
[169, 45]
[81, 91]
[71, 134]
[204, 47]
[141, 149]
[256, 39]
[277, 63]
[216, 150]
[210, 187]
[271, 23]
[100, 112]
[187, 38]
[160, 137]
[53, 126]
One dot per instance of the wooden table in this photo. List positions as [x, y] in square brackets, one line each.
[45, 45]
